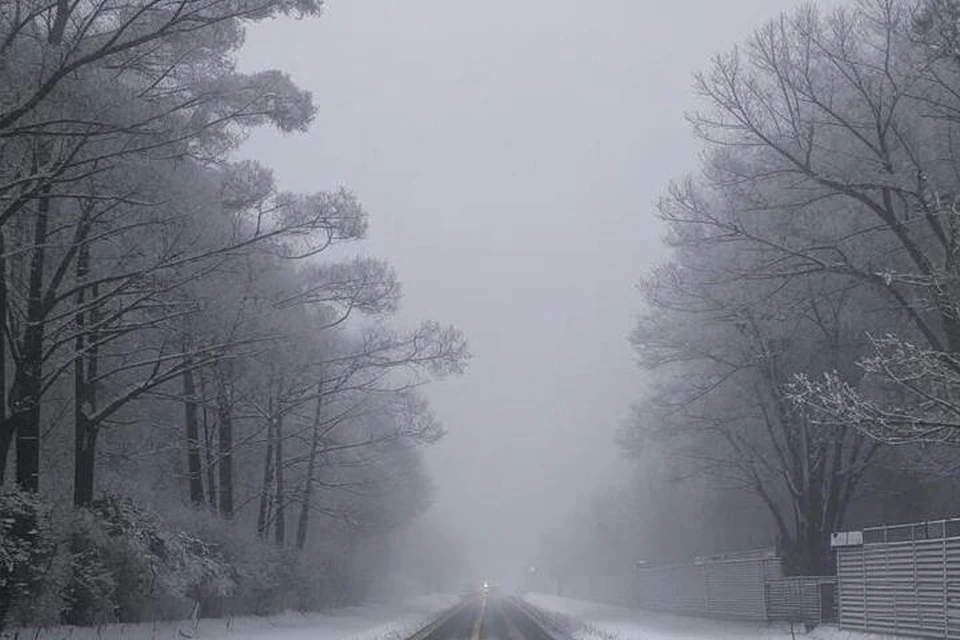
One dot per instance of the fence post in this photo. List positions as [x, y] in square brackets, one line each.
[886, 572]
[863, 568]
[705, 569]
[946, 586]
[838, 595]
[762, 568]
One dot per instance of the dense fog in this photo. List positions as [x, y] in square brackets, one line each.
[311, 304]
[511, 157]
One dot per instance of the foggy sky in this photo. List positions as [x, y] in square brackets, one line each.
[509, 154]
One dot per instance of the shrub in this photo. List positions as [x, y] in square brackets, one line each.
[27, 553]
[118, 562]
[157, 573]
[112, 562]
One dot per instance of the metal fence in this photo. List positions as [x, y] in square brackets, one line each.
[745, 586]
[728, 587]
[808, 599]
[901, 579]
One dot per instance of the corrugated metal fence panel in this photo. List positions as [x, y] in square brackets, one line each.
[797, 599]
[951, 594]
[677, 588]
[851, 588]
[718, 588]
[735, 589]
[901, 586]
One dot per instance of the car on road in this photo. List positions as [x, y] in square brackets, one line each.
[489, 587]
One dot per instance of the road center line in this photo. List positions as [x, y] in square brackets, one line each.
[479, 623]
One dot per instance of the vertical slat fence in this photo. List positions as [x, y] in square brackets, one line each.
[902, 579]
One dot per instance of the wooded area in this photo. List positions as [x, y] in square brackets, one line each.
[198, 346]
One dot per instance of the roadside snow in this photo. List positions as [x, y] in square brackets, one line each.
[596, 621]
[369, 622]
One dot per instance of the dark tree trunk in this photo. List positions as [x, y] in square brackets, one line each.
[55, 36]
[305, 505]
[28, 382]
[6, 430]
[84, 460]
[208, 446]
[225, 449]
[84, 390]
[194, 463]
[263, 516]
[25, 418]
[279, 516]
[6, 440]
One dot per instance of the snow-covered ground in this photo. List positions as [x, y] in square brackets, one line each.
[369, 622]
[609, 622]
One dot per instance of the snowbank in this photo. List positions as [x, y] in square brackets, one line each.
[370, 622]
[609, 622]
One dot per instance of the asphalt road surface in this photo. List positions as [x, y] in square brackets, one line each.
[487, 617]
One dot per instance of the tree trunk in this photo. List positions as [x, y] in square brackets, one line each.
[62, 15]
[6, 431]
[28, 382]
[84, 461]
[208, 446]
[262, 516]
[84, 391]
[279, 516]
[304, 518]
[194, 464]
[225, 449]
[6, 440]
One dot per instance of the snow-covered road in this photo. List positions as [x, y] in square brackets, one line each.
[608, 622]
